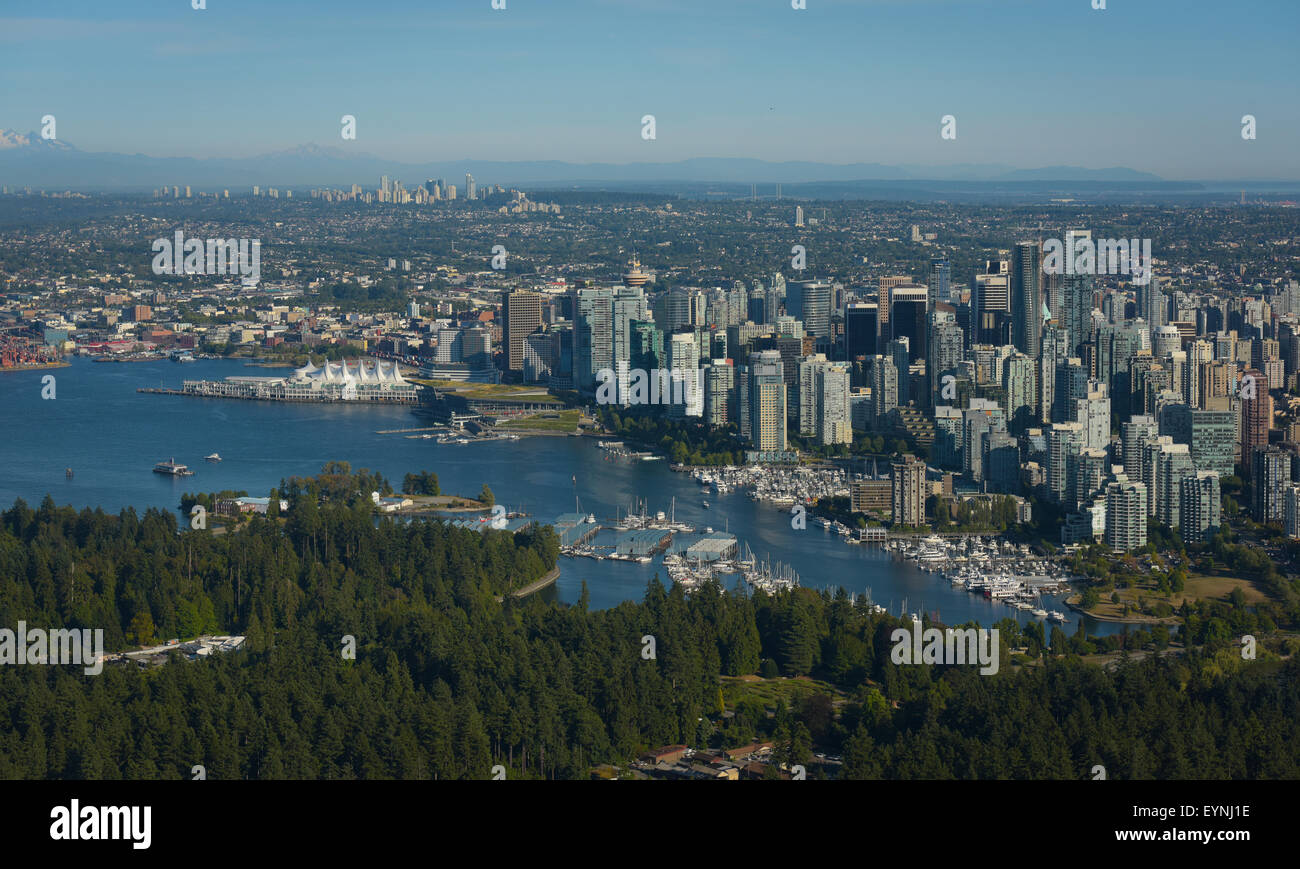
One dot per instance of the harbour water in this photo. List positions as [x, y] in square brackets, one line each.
[110, 436]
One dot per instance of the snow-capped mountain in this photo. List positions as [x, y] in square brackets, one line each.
[12, 139]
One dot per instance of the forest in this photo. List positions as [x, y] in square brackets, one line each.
[447, 681]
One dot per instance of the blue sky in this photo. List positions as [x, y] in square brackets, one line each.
[1156, 85]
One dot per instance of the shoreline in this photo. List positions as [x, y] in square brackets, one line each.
[42, 367]
[548, 579]
[1167, 620]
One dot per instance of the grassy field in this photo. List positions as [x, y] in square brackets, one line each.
[442, 502]
[1198, 586]
[768, 691]
[565, 420]
[492, 390]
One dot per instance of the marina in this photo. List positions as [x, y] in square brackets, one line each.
[1000, 571]
[779, 486]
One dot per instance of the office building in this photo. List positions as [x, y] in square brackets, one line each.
[523, 317]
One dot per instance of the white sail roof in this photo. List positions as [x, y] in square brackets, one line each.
[362, 371]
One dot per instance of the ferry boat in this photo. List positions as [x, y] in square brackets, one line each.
[171, 469]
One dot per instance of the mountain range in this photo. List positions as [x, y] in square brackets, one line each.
[30, 161]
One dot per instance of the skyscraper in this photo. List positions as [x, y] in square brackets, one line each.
[719, 390]
[884, 386]
[1209, 433]
[1199, 503]
[990, 302]
[593, 335]
[908, 497]
[982, 416]
[813, 302]
[629, 308]
[1090, 469]
[824, 401]
[861, 330]
[1135, 434]
[1071, 386]
[1174, 463]
[887, 285]
[774, 299]
[1064, 441]
[834, 422]
[898, 350]
[1054, 352]
[767, 401]
[1291, 510]
[907, 318]
[684, 362]
[1093, 410]
[677, 309]
[1151, 303]
[808, 393]
[1256, 415]
[1026, 297]
[1126, 514]
[1270, 473]
[1073, 308]
[940, 275]
[946, 339]
[1019, 383]
[523, 316]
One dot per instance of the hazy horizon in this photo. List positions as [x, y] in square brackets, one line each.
[1159, 87]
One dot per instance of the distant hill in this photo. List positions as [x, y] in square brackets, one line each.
[29, 160]
[1076, 173]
